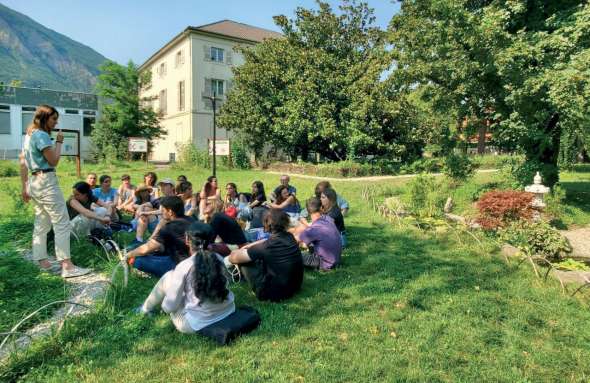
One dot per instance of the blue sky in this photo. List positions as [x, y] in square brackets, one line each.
[134, 29]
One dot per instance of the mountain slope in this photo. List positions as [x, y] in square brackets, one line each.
[38, 56]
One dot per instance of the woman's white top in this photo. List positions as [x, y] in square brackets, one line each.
[180, 296]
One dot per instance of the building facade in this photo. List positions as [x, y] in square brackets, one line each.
[186, 72]
[78, 111]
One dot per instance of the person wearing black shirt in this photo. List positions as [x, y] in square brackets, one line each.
[223, 226]
[272, 267]
[168, 247]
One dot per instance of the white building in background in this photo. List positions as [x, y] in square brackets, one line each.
[78, 111]
[191, 66]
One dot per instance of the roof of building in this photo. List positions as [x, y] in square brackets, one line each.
[238, 30]
[223, 28]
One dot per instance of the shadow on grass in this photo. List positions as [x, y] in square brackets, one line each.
[380, 269]
[577, 194]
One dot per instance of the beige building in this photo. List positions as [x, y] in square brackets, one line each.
[190, 67]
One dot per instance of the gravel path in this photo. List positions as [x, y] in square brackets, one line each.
[86, 290]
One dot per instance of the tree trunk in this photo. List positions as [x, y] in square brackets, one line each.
[481, 137]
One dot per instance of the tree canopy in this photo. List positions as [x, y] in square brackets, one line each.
[123, 113]
[520, 64]
[320, 89]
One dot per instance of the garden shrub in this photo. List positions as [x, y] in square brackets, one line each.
[425, 197]
[458, 167]
[8, 169]
[423, 165]
[190, 155]
[484, 188]
[535, 238]
[493, 161]
[555, 202]
[239, 155]
[519, 173]
[500, 207]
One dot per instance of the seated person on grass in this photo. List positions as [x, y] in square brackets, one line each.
[322, 238]
[126, 195]
[167, 248]
[86, 211]
[287, 202]
[257, 199]
[107, 195]
[191, 200]
[341, 202]
[195, 293]
[91, 180]
[330, 208]
[227, 228]
[209, 193]
[149, 215]
[151, 180]
[272, 267]
[284, 182]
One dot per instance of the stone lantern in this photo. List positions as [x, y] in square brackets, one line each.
[539, 191]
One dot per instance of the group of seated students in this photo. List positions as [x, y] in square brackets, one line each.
[194, 238]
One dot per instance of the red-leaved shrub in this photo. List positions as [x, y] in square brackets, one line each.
[497, 208]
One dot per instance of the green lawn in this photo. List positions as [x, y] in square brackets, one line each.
[405, 306]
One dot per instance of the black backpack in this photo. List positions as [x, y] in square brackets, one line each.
[244, 320]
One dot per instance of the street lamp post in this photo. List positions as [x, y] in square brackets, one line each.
[214, 104]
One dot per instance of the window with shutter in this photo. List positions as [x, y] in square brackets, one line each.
[163, 102]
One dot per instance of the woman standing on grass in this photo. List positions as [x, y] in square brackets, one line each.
[40, 157]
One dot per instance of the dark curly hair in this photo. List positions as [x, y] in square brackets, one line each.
[207, 275]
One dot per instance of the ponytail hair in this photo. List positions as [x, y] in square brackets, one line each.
[42, 115]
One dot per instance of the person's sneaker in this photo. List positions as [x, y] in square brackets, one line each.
[54, 269]
[74, 272]
[134, 245]
[139, 311]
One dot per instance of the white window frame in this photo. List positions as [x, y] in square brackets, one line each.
[217, 84]
[179, 58]
[163, 102]
[216, 54]
[181, 95]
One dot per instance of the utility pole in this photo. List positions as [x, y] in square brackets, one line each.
[214, 99]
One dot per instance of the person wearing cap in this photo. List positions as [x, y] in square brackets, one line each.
[39, 158]
[148, 214]
[126, 193]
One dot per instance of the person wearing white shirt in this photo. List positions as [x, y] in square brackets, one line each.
[195, 293]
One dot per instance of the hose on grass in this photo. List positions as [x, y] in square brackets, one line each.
[14, 329]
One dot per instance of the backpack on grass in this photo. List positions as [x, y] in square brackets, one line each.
[244, 320]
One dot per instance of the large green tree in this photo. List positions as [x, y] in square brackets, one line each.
[123, 113]
[319, 89]
[521, 64]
